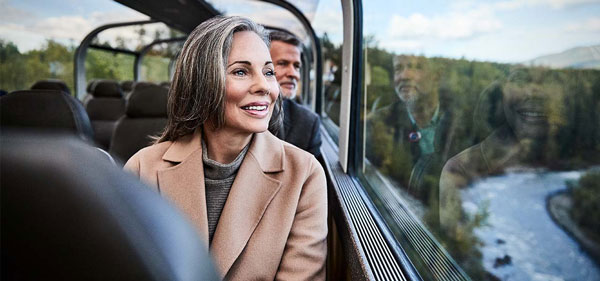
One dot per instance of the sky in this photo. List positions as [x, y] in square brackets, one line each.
[502, 30]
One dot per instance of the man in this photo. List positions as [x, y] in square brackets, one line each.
[405, 137]
[301, 126]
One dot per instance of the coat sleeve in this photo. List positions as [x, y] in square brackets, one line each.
[133, 165]
[306, 247]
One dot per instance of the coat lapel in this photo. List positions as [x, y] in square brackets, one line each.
[251, 192]
[183, 183]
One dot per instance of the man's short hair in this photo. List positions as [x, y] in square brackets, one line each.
[286, 37]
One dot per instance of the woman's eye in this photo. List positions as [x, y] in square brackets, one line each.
[239, 72]
[270, 73]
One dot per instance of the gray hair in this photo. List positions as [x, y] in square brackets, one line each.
[286, 37]
[197, 93]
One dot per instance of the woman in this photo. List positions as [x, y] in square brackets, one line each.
[260, 202]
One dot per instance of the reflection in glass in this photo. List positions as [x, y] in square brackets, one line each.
[510, 192]
[511, 170]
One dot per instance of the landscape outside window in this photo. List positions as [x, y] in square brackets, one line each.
[328, 24]
[38, 41]
[482, 123]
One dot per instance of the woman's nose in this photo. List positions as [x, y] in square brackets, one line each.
[261, 85]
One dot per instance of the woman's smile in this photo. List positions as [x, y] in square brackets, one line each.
[257, 109]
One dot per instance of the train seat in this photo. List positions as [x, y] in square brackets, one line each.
[127, 87]
[105, 106]
[146, 115]
[51, 84]
[45, 110]
[68, 214]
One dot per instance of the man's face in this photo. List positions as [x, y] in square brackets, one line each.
[286, 58]
[408, 77]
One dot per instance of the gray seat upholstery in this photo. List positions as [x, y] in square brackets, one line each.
[69, 214]
[105, 106]
[45, 110]
[51, 84]
[146, 116]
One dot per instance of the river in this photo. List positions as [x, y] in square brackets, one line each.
[520, 229]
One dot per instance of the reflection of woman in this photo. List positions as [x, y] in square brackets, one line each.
[260, 202]
[531, 106]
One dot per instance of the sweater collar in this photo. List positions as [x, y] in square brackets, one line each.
[266, 148]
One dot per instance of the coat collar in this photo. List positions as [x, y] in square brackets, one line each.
[266, 148]
[251, 192]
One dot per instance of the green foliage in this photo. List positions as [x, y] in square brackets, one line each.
[586, 202]
[471, 95]
[19, 71]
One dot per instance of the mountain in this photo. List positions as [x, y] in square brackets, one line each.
[578, 57]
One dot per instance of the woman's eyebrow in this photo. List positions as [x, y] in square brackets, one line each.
[247, 62]
[240, 61]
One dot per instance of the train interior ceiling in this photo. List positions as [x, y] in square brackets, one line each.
[461, 141]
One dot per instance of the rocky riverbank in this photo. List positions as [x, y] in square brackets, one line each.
[559, 205]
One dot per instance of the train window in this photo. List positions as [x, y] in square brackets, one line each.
[328, 24]
[159, 59]
[482, 143]
[38, 40]
[104, 63]
[263, 13]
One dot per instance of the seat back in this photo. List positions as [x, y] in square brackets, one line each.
[69, 214]
[146, 116]
[45, 110]
[105, 106]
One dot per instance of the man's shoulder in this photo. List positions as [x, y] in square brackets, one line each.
[298, 111]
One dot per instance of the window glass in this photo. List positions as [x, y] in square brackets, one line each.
[158, 62]
[328, 25]
[263, 13]
[106, 64]
[38, 39]
[481, 135]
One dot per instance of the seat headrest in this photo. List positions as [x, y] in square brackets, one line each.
[142, 84]
[127, 85]
[107, 88]
[51, 84]
[148, 100]
[45, 110]
[90, 86]
[70, 214]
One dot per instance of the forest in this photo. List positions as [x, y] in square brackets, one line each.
[471, 101]
[20, 70]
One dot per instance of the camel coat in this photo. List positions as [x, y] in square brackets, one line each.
[274, 223]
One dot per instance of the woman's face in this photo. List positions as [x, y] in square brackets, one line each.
[251, 88]
[533, 106]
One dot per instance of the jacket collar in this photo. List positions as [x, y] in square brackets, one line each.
[266, 148]
[251, 192]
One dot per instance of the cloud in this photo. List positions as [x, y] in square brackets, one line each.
[554, 4]
[30, 33]
[410, 46]
[67, 27]
[589, 25]
[453, 25]
[11, 14]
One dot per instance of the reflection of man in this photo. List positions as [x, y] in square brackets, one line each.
[300, 125]
[416, 124]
